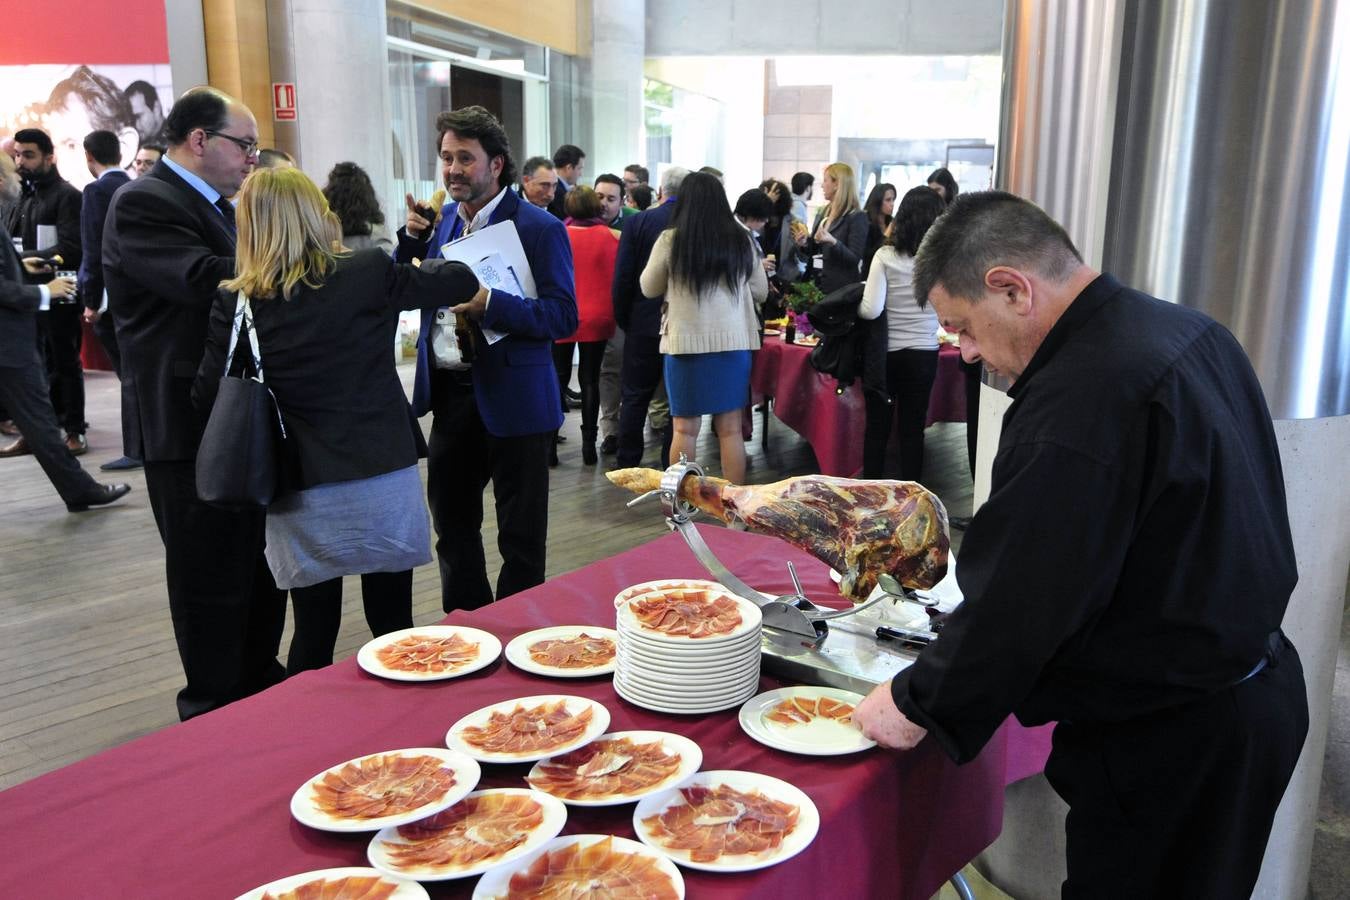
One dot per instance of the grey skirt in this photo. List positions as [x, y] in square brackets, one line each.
[376, 524]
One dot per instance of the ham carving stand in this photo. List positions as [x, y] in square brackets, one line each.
[803, 641]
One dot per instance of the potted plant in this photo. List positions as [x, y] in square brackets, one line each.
[799, 300]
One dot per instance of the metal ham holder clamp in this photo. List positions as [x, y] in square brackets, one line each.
[790, 613]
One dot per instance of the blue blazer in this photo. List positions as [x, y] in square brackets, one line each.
[514, 381]
[635, 313]
[97, 198]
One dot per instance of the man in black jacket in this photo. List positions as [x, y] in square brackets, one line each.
[167, 244]
[23, 387]
[1129, 572]
[47, 221]
[640, 318]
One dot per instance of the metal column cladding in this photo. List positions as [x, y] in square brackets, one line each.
[1228, 186]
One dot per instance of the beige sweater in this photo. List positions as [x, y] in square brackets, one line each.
[722, 319]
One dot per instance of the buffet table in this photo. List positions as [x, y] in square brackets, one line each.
[831, 423]
[201, 809]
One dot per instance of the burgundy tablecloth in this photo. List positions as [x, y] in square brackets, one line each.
[201, 809]
[831, 423]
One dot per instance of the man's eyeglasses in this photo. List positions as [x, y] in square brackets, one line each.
[250, 148]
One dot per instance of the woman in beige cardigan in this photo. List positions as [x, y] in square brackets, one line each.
[707, 269]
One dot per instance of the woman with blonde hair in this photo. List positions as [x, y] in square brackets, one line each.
[840, 232]
[325, 319]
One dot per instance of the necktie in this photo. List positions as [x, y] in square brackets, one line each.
[227, 210]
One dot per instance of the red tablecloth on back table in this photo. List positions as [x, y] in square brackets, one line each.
[201, 809]
[831, 423]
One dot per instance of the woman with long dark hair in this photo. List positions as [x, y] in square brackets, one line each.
[878, 208]
[707, 270]
[351, 197]
[595, 246]
[944, 184]
[911, 340]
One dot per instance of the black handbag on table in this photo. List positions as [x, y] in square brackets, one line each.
[239, 458]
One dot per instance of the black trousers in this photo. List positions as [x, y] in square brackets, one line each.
[591, 354]
[385, 596]
[1179, 803]
[227, 610]
[641, 373]
[909, 381]
[60, 335]
[23, 392]
[107, 336]
[463, 457]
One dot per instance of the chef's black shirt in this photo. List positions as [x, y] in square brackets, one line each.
[1134, 553]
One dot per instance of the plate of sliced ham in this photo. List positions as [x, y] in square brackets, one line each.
[486, 829]
[585, 865]
[383, 789]
[347, 883]
[690, 617]
[620, 767]
[528, 729]
[565, 651]
[429, 653]
[813, 721]
[728, 821]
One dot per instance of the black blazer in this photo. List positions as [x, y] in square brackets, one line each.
[18, 303]
[98, 196]
[165, 252]
[635, 313]
[328, 356]
[842, 258]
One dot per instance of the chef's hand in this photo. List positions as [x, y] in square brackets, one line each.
[416, 224]
[476, 307]
[880, 721]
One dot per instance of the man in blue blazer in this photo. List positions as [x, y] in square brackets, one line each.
[495, 406]
[640, 318]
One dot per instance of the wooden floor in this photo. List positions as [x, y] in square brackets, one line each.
[89, 659]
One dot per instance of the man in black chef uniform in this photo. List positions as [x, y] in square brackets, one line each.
[1129, 572]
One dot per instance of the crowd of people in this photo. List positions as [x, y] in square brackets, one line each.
[220, 257]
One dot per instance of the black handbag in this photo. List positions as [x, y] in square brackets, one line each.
[239, 458]
[835, 319]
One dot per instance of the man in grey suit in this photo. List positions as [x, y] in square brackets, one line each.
[23, 385]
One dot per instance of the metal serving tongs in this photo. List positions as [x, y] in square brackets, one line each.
[792, 613]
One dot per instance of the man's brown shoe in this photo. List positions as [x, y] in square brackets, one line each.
[8, 427]
[18, 448]
[77, 444]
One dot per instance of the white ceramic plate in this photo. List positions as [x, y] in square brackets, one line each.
[648, 587]
[749, 626]
[496, 882]
[555, 817]
[691, 757]
[466, 774]
[407, 890]
[518, 650]
[687, 648]
[668, 693]
[683, 709]
[819, 737]
[596, 727]
[682, 677]
[489, 648]
[687, 662]
[808, 820]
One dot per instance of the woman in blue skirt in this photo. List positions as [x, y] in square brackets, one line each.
[707, 268]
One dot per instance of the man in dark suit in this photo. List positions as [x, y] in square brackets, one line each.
[23, 385]
[640, 318]
[494, 415]
[103, 156]
[47, 221]
[167, 244]
[569, 161]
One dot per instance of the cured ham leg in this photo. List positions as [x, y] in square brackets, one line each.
[858, 528]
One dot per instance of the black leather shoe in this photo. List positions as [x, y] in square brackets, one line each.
[572, 396]
[120, 464]
[100, 496]
[610, 445]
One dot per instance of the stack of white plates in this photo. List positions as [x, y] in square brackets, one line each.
[678, 674]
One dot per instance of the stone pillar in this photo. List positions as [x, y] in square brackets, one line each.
[617, 46]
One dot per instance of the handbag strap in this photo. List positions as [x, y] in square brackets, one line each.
[243, 319]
